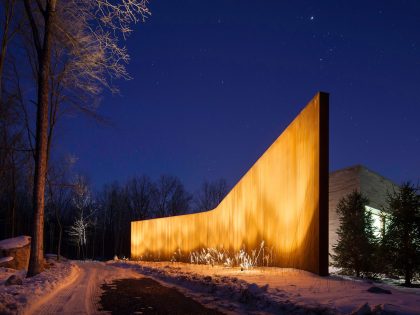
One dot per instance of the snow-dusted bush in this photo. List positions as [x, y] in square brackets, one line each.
[260, 256]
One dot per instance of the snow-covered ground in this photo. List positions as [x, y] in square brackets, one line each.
[71, 287]
[277, 290]
[82, 295]
[18, 299]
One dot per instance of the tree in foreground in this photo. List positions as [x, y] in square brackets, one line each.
[89, 32]
[356, 246]
[402, 236]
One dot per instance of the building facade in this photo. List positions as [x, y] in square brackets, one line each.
[372, 185]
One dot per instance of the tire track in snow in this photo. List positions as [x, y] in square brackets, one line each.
[75, 273]
[82, 295]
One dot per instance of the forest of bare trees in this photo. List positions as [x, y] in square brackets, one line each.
[85, 224]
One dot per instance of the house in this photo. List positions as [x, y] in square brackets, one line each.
[372, 185]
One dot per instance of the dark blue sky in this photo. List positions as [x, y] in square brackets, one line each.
[216, 82]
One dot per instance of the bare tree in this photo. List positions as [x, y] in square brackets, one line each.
[42, 38]
[140, 194]
[9, 29]
[59, 196]
[115, 210]
[172, 198]
[77, 233]
[210, 195]
[83, 202]
[13, 153]
[88, 31]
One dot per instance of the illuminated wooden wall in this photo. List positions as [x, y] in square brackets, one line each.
[282, 199]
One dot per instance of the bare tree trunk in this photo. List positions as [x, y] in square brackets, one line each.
[94, 240]
[407, 278]
[83, 247]
[51, 237]
[36, 262]
[8, 17]
[103, 239]
[60, 233]
[14, 196]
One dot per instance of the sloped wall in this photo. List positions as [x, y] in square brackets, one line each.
[282, 199]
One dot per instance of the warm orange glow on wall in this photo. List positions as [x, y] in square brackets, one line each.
[282, 199]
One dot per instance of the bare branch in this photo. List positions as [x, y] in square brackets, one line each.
[34, 27]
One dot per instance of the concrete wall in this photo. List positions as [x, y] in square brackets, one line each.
[341, 183]
[282, 200]
[375, 187]
[344, 181]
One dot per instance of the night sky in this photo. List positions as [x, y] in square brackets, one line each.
[216, 82]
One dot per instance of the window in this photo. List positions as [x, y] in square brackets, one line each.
[379, 220]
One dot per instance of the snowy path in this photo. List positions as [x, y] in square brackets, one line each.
[82, 294]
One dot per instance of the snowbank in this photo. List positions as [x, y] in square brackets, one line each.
[15, 242]
[17, 299]
[278, 290]
[5, 259]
